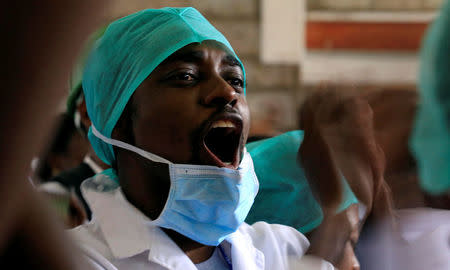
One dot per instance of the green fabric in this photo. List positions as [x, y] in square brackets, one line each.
[77, 73]
[430, 140]
[284, 195]
[130, 49]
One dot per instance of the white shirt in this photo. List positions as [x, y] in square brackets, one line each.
[119, 237]
[420, 240]
[216, 262]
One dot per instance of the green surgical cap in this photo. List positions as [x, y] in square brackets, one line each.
[430, 140]
[130, 49]
[284, 195]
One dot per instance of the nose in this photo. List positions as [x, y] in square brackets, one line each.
[219, 93]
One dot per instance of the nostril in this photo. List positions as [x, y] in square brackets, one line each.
[220, 95]
[218, 101]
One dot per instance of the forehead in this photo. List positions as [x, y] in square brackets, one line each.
[200, 52]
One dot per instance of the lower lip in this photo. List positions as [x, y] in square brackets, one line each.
[217, 161]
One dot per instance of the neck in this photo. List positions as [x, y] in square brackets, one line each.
[196, 252]
[146, 185]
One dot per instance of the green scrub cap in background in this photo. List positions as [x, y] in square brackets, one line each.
[77, 73]
[430, 140]
[284, 195]
[130, 49]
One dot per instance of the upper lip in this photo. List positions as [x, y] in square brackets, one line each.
[233, 117]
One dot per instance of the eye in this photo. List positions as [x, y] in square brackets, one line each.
[183, 77]
[236, 82]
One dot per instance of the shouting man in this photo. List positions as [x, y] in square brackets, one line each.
[166, 96]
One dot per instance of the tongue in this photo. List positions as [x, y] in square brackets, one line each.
[220, 142]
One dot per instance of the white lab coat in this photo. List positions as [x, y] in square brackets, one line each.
[119, 237]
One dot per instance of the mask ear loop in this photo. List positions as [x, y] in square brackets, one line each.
[129, 147]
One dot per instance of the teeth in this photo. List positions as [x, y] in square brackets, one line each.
[223, 124]
[227, 163]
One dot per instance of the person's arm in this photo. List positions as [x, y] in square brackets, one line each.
[339, 137]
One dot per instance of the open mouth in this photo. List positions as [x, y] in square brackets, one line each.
[222, 142]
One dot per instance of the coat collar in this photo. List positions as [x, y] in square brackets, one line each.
[127, 231]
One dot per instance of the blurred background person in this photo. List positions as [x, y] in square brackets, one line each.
[65, 151]
[69, 158]
[286, 197]
[430, 140]
[420, 239]
[87, 163]
[340, 142]
[37, 57]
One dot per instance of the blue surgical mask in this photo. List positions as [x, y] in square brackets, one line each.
[205, 203]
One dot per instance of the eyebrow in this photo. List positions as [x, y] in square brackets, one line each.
[231, 60]
[198, 56]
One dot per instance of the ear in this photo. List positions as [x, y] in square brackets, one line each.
[123, 131]
[84, 117]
